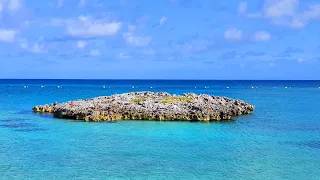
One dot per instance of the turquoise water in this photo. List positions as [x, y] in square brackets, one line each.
[280, 140]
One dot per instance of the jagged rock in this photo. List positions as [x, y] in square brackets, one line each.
[149, 106]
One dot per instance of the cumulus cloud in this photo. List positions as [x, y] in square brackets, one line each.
[38, 49]
[94, 29]
[162, 20]
[279, 8]
[10, 6]
[81, 44]
[94, 53]
[261, 36]
[302, 19]
[233, 34]
[85, 26]
[242, 7]
[7, 35]
[136, 40]
[35, 48]
[287, 13]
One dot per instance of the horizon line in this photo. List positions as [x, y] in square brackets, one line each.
[170, 79]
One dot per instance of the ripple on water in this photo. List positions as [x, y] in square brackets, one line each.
[17, 125]
[22, 127]
[24, 112]
[310, 144]
[30, 130]
[13, 120]
[47, 116]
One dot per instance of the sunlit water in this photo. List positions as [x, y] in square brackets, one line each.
[280, 140]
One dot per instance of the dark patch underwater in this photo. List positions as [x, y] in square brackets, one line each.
[30, 130]
[17, 125]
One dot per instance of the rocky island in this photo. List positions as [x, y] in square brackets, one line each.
[159, 106]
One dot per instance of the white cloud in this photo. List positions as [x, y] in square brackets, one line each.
[162, 20]
[24, 44]
[286, 13]
[136, 40]
[81, 44]
[94, 53]
[14, 5]
[242, 7]
[85, 26]
[194, 47]
[279, 8]
[11, 6]
[36, 48]
[7, 35]
[302, 19]
[261, 36]
[233, 34]
[124, 56]
[94, 29]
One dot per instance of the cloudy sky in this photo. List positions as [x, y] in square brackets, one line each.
[160, 39]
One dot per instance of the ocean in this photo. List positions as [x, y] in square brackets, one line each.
[279, 140]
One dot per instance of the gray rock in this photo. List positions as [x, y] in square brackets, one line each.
[149, 106]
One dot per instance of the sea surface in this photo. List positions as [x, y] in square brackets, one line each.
[280, 140]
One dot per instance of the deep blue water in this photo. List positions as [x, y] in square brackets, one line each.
[280, 140]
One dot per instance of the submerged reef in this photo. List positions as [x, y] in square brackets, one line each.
[160, 106]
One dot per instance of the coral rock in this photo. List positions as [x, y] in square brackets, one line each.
[160, 106]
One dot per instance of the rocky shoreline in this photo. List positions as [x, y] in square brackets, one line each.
[159, 106]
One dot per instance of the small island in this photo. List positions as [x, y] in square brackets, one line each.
[158, 106]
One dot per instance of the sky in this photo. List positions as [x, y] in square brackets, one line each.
[160, 39]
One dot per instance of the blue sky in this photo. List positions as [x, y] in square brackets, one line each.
[160, 39]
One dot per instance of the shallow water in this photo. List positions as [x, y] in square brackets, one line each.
[280, 140]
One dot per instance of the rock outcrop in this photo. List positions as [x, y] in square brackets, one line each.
[159, 106]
